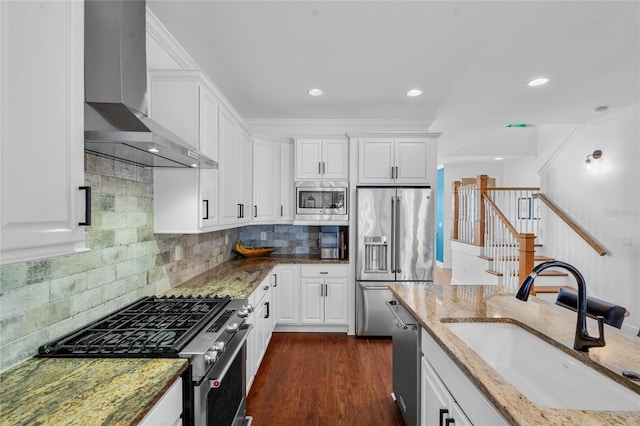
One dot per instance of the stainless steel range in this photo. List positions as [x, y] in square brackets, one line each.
[209, 331]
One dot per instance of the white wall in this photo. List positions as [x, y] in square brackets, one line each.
[605, 201]
[453, 172]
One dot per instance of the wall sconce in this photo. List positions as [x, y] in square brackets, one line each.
[596, 155]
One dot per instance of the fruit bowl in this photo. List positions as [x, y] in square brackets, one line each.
[252, 251]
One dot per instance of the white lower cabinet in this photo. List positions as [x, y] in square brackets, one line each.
[447, 395]
[287, 294]
[168, 410]
[323, 294]
[263, 322]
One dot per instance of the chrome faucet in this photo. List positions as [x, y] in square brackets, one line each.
[582, 340]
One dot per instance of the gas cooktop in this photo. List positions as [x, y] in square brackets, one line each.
[152, 326]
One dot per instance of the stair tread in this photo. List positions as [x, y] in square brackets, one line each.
[547, 289]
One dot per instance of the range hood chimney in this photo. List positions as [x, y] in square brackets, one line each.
[116, 121]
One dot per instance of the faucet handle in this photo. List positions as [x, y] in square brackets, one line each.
[600, 339]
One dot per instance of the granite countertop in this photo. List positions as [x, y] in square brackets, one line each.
[84, 391]
[431, 304]
[120, 391]
[240, 277]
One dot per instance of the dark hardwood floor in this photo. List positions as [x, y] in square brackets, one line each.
[324, 379]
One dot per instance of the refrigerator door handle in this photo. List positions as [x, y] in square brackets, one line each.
[393, 235]
[396, 241]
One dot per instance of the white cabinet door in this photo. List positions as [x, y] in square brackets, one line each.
[287, 193]
[322, 159]
[335, 301]
[208, 140]
[287, 295]
[411, 161]
[324, 295]
[185, 200]
[244, 176]
[375, 161]
[42, 121]
[434, 397]
[398, 160]
[335, 159]
[266, 181]
[312, 307]
[308, 159]
[230, 208]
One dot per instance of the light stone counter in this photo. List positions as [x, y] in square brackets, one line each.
[239, 278]
[430, 304]
[108, 391]
[84, 391]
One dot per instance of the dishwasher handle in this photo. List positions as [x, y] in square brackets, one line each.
[392, 304]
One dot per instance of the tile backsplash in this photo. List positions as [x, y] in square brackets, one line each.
[43, 299]
[287, 239]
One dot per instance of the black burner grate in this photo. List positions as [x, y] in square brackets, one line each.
[151, 326]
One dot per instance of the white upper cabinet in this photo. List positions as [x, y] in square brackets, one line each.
[397, 160]
[186, 200]
[42, 122]
[272, 181]
[235, 171]
[321, 158]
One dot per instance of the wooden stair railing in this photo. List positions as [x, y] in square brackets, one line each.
[572, 224]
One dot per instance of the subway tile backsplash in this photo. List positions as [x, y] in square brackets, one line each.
[44, 299]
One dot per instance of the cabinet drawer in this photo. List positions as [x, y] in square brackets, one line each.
[314, 271]
[261, 291]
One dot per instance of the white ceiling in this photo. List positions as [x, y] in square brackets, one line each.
[471, 59]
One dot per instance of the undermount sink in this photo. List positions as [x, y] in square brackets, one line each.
[544, 374]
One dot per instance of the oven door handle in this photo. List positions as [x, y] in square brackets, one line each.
[222, 365]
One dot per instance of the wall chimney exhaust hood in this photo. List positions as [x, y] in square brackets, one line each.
[116, 121]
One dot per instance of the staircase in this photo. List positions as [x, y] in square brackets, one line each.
[505, 225]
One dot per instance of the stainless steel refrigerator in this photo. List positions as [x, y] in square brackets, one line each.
[395, 240]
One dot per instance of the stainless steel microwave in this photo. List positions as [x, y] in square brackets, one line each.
[322, 201]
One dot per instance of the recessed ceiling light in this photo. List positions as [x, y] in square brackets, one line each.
[414, 92]
[194, 165]
[154, 150]
[315, 92]
[538, 81]
[498, 158]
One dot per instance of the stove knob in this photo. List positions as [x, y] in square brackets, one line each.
[232, 328]
[218, 346]
[248, 307]
[243, 313]
[211, 356]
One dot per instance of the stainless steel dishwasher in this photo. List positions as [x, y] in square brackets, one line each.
[406, 362]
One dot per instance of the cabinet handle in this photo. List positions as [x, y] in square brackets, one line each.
[443, 412]
[87, 206]
[239, 211]
[396, 172]
[319, 168]
[322, 290]
[450, 421]
[391, 172]
[326, 290]
[324, 272]
[281, 211]
[255, 211]
[206, 209]
[267, 304]
[324, 167]
[275, 280]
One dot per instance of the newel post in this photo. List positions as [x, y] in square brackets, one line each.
[478, 237]
[527, 255]
[455, 207]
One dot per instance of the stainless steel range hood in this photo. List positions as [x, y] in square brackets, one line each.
[116, 121]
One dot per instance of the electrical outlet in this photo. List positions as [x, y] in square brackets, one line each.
[263, 235]
[627, 241]
[178, 253]
[226, 240]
